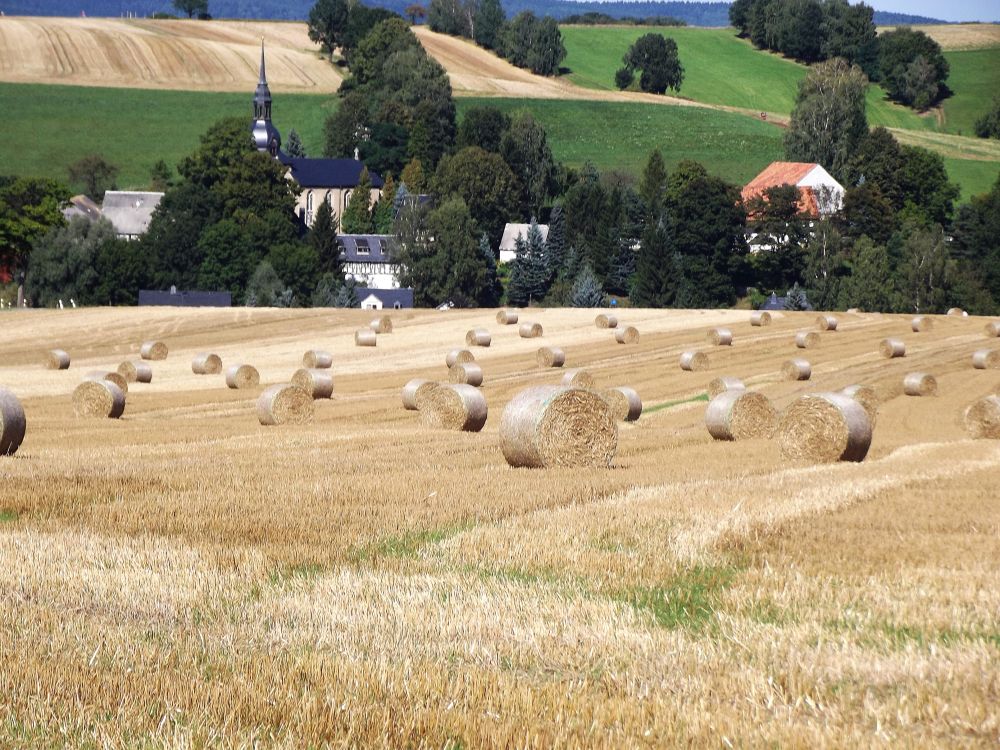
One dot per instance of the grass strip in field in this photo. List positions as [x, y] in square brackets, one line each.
[668, 404]
[7, 516]
[686, 602]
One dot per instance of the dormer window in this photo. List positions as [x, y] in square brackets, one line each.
[362, 245]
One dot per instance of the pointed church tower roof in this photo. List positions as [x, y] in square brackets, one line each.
[266, 137]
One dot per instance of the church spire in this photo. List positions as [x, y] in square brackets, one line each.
[266, 137]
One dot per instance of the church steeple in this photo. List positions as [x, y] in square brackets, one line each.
[266, 137]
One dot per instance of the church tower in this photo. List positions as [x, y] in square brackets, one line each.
[265, 136]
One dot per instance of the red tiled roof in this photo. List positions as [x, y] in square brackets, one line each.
[783, 173]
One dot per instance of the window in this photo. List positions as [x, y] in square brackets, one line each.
[361, 244]
[397, 306]
[309, 208]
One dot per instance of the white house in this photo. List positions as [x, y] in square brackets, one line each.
[368, 260]
[510, 234]
[819, 193]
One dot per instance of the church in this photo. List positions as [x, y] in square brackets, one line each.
[330, 180]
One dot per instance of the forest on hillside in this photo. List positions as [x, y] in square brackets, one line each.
[691, 13]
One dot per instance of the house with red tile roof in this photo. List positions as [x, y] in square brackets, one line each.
[819, 193]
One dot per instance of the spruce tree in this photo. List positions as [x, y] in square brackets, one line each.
[654, 184]
[493, 289]
[587, 290]
[294, 146]
[347, 295]
[518, 287]
[358, 216]
[655, 277]
[384, 211]
[796, 299]
[536, 273]
[323, 237]
[555, 244]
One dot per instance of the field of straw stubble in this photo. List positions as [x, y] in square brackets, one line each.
[186, 577]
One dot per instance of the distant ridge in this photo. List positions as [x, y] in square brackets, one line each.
[692, 13]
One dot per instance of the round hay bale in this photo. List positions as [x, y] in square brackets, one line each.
[57, 359]
[806, 339]
[578, 379]
[415, 391]
[627, 335]
[720, 337]
[315, 359]
[478, 337]
[624, 402]
[892, 348]
[986, 359]
[317, 383]
[920, 384]
[455, 406]
[469, 373]
[529, 330]
[551, 425]
[12, 423]
[825, 427]
[760, 318]
[458, 357]
[922, 324]
[694, 361]
[853, 310]
[242, 376]
[740, 415]
[381, 324]
[364, 338]
[506, 317]
[136, 372]
[992, 329]
[284, 403]
[550, 356]
[867, 397]
[826, 323]
[982, 419]
[796, 369]
[958, 312]
[206, 363]
[154, 350]
[606, 320]
[98, 398]
[723, 384]
[112, 377]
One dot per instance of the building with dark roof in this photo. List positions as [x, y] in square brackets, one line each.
[368, 260]
[384, 299]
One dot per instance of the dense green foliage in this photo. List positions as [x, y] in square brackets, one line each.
[911, 67]
[29, 208]
[655, 57]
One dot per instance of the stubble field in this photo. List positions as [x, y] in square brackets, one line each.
[186, 577]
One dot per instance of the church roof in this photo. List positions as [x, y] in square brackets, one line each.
[328, 173]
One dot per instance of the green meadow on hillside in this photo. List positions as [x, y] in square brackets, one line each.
[975, 79]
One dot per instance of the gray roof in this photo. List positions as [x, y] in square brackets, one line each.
[775, 302]
[328, 173]
[130, 211]
[365, 248]
[81, 205]
[388, 297]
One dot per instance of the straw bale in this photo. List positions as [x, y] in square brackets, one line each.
[724, 383]
[694, 361]
[12, 423]
[986, 359]
[284, 403]
[136, 372]
[478, 337]
[796, 369]
[364, 337]
[867, 397]
[381, 324]
[317, 383]
[760, 318]
[922, 324]
[982, 419]
[454, 406]
[458, 357]
[551, 425]
[892, 348]
[853, 310]
[206, 363]
[112, 377]
[550, 356]
[529, 330]
[958, 311]
[627, 335]
[57, 359]
[740, 414]
[506, 317]
[415, 391]
[606, 320]
[920, 384]
[578, 379]
[242, 376]
[469, 373]
[806, 339]
[316, 359]
[720, 337]
[992, 329]
[826, 323]
[624, 403]
[825, 427]
[98, 398]
[154, 350]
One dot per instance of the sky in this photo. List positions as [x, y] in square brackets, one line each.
[946, 10]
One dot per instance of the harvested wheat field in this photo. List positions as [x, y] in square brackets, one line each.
[184, 576]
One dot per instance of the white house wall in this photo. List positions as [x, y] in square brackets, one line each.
[829, 193]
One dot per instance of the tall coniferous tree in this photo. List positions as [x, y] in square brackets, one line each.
[492, 289]
[555, 244]
[656, 276]
[358, 216]
[323, 237]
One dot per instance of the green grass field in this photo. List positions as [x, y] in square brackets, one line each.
[975, 80]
